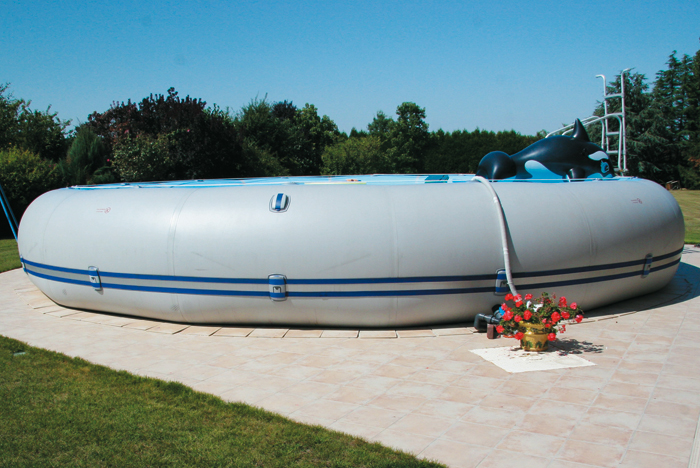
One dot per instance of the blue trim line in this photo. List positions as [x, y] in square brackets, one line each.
[55, 268]
[59, 279]
[200, 292]
[394, 293]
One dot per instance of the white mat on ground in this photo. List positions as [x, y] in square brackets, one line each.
[513, 359]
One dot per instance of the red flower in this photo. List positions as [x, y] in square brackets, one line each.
[518, 298]
[579, 318]
[527, 315]
[518, 304]
[528, 297]
[519, 335]
[508, 315]
[565, 315]
[556, 317]
[509, 297]
[562, 301]
[517, 318]
[574, 305]
[505, 307]
[552, 336]
[500, 329]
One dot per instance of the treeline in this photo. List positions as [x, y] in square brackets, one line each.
[167, 137]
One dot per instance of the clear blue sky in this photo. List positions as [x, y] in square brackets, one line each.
[496, 65]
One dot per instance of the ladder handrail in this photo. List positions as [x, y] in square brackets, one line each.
[606, 133]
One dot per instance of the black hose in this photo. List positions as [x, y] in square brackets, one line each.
[481, 321]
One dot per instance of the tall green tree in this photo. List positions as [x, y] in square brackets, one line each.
[359, 155]
[168, 137]
[408, 139]
[40, 132]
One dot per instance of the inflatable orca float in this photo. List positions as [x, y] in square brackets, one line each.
[557, 157]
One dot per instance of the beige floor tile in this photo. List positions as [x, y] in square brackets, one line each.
[399, 403]
[268, 333]
[507, 402]
[167, 328]
[455, 454]
[296, 372]
[326, 409]
[628, 389]
[612, 418]
[638, 459]
[378, 334]
[299, 333]
[427, 333]
[373, 382]
[571, 395]
[313, 389]
[340, 334]
[476, 434]
[592, 454]
[448, 365]
[505, 459]
[444, 408]
[453, 331]
[676, 427]
[532, 443]
[433, 377]
[233, 331]
[416, 389]
[375, 417]
[466, 395]
[620, 403]
[139, 324]
[605, 435]
[410, 443]
[63, 313]
[422, 424]
[199, 330]
[661, 444]
[493, 417]
[359, 396]
[548, 425]
[228, 361]
[82, 316]
[394, 371]
[558, 409]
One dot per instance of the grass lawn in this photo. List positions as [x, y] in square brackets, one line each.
[689, 200]
[9, 257]
[62, 411]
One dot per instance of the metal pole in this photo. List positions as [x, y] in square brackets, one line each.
[8, 213]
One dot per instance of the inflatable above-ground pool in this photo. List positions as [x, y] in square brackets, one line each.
[359, 251]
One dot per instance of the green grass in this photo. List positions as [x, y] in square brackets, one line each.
[62, 411]
[9, 257]
[689, 200]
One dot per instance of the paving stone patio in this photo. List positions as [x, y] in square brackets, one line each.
[423, 390]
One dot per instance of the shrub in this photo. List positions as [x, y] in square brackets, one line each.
[24, 176]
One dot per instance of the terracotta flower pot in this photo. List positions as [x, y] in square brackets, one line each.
[535, 338]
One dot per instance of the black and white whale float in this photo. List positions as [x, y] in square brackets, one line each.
[360, 250]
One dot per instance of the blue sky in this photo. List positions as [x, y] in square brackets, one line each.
[495, 65]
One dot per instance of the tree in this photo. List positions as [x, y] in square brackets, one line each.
[42, 133]
[360, 155]
[295, 137]
[24, 176]
[173, 138]
[408, 139]
[87, 161]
